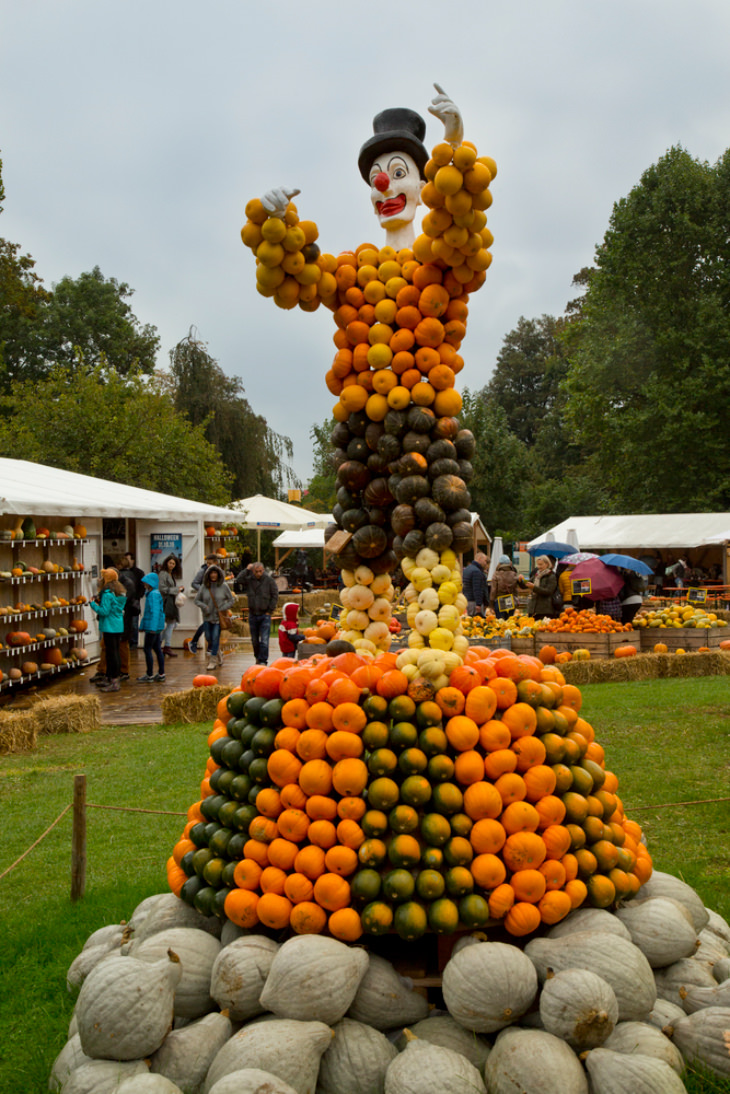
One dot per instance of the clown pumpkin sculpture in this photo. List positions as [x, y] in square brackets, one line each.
[403, 462]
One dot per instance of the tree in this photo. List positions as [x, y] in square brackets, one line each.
[501, 466]
[648, 389]
[322, 487]
[22, 297]
[121, 428]
[530, 366]
[254, 454]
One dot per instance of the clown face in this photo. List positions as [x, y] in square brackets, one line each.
[395, 189]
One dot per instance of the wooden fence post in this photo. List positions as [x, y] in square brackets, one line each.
[78, 839]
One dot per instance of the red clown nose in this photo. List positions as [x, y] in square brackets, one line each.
[381, 182]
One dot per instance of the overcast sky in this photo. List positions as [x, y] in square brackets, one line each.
[133, 133]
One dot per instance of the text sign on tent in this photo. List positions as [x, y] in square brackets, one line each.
[581, 587]
[163, 544]
[697, 596]
[506, 603]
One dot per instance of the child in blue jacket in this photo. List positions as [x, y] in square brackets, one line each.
[153, 624]
[109, 607]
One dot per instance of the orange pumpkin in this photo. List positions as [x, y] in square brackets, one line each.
[204, 681]
[547, 655]
[625, 651]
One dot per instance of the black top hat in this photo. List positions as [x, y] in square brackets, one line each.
[398, 129]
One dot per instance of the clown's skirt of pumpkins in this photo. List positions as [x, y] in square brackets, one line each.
[341, 797]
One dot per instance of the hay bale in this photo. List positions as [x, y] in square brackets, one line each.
[18, 732]
[194, 705]
[646, 666]
[67, 714]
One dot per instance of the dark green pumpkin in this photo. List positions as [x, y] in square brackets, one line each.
[438, 536]
[370, 541]
[402, 519]
[411, 488]
[451, 493]
[421, 419]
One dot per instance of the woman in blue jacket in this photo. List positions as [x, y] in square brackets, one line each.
[109, 605]
[153, 624]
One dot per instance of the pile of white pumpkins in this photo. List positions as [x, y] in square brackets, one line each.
[607, 1002]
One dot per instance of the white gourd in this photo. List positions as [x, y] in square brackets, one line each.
[705, 1036]
[718, 925]
[288, 1048]
[313, 978]
[230, 932]
[73, 1026]
[661, 884]
[384, 999]
[423, 1068]
[148, 1084]
[142, 910]
[589, 919]
[252, 1080]
[661, 930]
[721, 969]
[619, 962]
[167, 911]
[533, 1061]
[579, 1007]
[186, 1054]
[443, 1030]
[617, 1073]
[125, 1007]
[239, 974]
[665, 1013]
[197, 951]
[647, 1040]
[717, 996]
[674, 981]
[69, 1058]
[102, 1076]
[488, 986]
[711, 948]
[82, 965]
[110, 936]
[356, 1060]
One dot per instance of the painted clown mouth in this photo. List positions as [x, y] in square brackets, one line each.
[392, 206]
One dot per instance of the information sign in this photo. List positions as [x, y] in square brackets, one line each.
[581, 586]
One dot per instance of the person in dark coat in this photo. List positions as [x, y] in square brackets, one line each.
[263, 597]
[504, 583]
[476, 587]
[540, 604]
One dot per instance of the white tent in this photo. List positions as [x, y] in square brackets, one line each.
[659, 531]
[260, 512]
[34, 488]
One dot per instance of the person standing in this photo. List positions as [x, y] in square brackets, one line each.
[108, 604]
[504, 583]
[153, 624]
[213, 597]
[131, 576]
[476, 589]
[263, 597]
[289, 634]
[192, 645]
[540, 604]
[170, 575]
[632, 595]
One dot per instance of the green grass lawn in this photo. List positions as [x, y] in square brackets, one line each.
[667, 740]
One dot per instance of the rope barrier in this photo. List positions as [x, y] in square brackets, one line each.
[134, 809]
[50, 827]
[673, 805]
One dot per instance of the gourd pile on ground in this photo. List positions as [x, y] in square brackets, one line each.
[403, 462]
[683, 616]
[177, 1003]
[356, 796]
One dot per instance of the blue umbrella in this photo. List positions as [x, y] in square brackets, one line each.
[626, 562]
[552, 548]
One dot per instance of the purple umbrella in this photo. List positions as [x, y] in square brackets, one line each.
[605, 582]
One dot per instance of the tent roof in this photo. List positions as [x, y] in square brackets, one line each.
[669, 531]
[34, 489]
[262, 512]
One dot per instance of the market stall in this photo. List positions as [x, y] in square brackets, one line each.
[57, 528]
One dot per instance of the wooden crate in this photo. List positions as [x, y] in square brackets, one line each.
[499, 642]
[599, 645]
[524, 643]
[676, 638]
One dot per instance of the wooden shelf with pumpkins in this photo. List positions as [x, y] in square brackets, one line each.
[215, 540]
[45, 621]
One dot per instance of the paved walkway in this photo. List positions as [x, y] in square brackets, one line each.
[140, 704]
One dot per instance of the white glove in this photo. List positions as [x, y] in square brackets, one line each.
[276, 201]
[445, 109]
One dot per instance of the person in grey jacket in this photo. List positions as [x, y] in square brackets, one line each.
[263, 597]
[213, 597]
[192, 645]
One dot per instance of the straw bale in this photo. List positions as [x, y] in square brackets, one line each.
[647, 666]
[18, 732]
[193, 705]
[67, 714]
